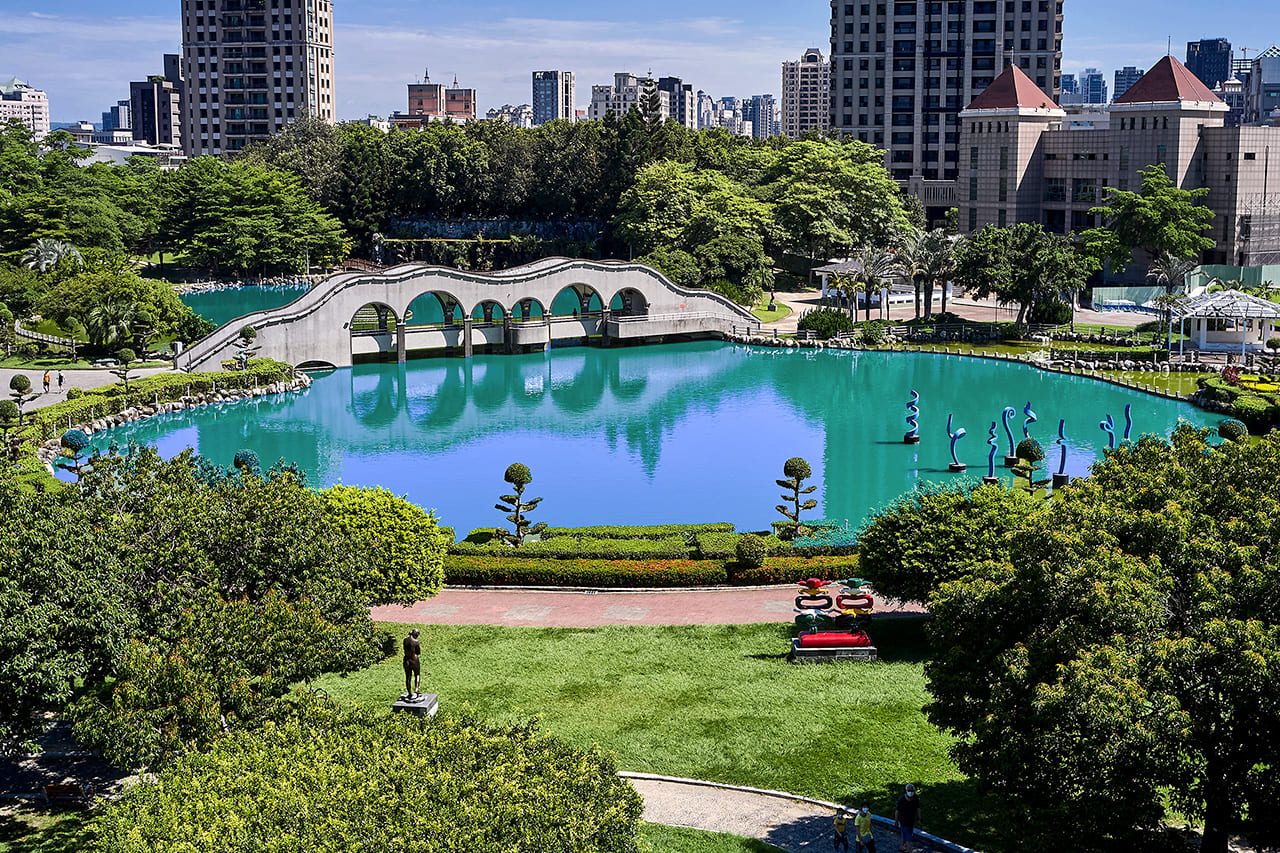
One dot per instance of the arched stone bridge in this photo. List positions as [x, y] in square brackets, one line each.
[365, 313]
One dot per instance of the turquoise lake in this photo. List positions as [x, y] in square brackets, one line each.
[691, 432]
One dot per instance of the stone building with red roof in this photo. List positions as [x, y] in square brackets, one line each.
[1021, 161]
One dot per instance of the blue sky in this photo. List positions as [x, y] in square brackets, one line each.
[85, 53]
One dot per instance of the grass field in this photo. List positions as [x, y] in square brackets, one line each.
[709, 702]
[39, 829]
[675, 839]
[764, 315]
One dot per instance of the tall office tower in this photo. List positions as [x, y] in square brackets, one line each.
[706, 110]
[1262, 91]
[251, 67]
[155, 105]
[26, 105]
[902, 71]
[806, 88]
[117, 117]
[762, 112]
[1208, 59]
[554, 94]
[1125, 77]
[1093, 87]
[684, 103]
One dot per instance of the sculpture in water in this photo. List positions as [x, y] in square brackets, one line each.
[1031, 418]
[1128, 420]
[1010, 458]
[913, 419]
[1108, 426]
[956, 465]
[992, 440]
[1060, 478]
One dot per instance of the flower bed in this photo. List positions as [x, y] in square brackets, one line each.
[460, 569]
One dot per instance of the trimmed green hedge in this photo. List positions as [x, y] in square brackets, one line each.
[485, 570]
[573, 548]
[637, 531]
[793, 570]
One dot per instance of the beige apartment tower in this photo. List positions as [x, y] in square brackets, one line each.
[251, 67]
[806, 87]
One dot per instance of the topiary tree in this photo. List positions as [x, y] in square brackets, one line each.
[244, 346]
[751, 550]
[797, 471]
[1231, 429]
[246, 462]
[123, 372]
[20, 391]
[74, 442]
[518, 476]
[1030, 454]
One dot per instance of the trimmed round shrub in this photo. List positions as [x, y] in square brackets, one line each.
[20, 382]
[249, 333]
[825, 322]
[751, 550]
[1030, 450]
[1255, 411]
[74, 441]
[518, 474]
[246, 460]
[9, 412]
[1273, 343]
[127, 356]
[796, 468]
[406, 544]
[1232, 429]
[74, 393]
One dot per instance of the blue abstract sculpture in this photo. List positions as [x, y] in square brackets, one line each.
[956, 465]
[1031, 418]
[913, 419]
[1128, 420]
[1062, 445]
[1108, 426]
[1010, 458]
[991, 456]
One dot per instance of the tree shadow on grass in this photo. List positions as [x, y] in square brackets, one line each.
[900, 639]
[43, 829]
[959, 811]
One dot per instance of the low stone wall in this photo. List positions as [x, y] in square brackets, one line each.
[52, 449]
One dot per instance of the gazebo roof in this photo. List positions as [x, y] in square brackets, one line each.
[850, 266]
[1228, 305]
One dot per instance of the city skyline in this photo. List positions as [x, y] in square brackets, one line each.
[84, 59]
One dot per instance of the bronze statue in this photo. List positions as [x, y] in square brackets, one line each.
[412, 664]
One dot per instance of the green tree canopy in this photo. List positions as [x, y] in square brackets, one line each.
[1022, 265]
[1160, 218]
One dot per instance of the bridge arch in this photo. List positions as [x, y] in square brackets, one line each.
[629, 302]
[529, 308]
[488, 311]
[576, 299]
[434, 307]
[373, 331]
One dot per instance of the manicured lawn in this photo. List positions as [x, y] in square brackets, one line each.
[677, 839]
[763, 313]
[709, 702]
[39, 829]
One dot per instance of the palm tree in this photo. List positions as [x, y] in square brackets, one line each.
[878, 264]
[929, 257]
[111, 322]
[46, 253]
[909, 261]
[850, 285]
[1170, 271]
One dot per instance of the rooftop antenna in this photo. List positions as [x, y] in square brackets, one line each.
[455, 79]
[426, 75]
[1168, 47]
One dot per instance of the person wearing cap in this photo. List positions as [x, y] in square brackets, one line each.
[864, 839]
[907, 817]
[841, 839]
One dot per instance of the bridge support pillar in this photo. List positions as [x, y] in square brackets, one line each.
[467, 349]
[400, 341]
[604, 327]
[506, 335]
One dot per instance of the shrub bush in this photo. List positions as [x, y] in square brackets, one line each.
[467, 569]
[1232, 429]
[717, 546]
[74, 393]
[793, 570]
[875, 332]
[825, 322]
[638, 531]
[573, 548]
[751, 550]
[1257, 412]
[1053, 311]
[407, 545]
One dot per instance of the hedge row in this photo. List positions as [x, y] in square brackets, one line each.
[573, 548]
[638, 531]
[1259, 410]
[487, 570]
[51, 421]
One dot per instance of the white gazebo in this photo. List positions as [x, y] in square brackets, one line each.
[1227, 320]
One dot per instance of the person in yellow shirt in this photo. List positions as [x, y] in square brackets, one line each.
[841, 838]
[863, 837]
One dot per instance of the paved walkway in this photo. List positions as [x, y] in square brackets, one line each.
[592, 608]
[82, 379]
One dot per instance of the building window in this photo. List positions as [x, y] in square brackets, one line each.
[1003, 190]
[1004, 157]
[973, 188]
[973, 219]
[1002, 217]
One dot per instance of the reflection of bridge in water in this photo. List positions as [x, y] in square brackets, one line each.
[367, 316]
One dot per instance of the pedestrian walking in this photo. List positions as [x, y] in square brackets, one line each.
[841, 838]
[46, 382]
[906, 817]
[863, 838]
[61, 378]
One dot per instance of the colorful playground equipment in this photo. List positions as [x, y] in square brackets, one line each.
[832, 626]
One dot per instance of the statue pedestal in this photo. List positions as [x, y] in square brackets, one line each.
[1010, 461]
[424, 705]
[1060, 480]
[910, 439]
[990, 481]
[956, 467]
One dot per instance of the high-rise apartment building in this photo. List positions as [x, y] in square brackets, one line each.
[683, 101]
[1125, 77]
[25, 104]
[628, 91]
[1093, 87]
[155, 105]
[251, 67]
[430, 102]
[762, 112]
[117, 117]
[806, 90]
[554, 96]
[1262, 88]
[902, 71]
[1208, 59]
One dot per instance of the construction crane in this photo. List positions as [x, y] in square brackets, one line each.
[1244, 52]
